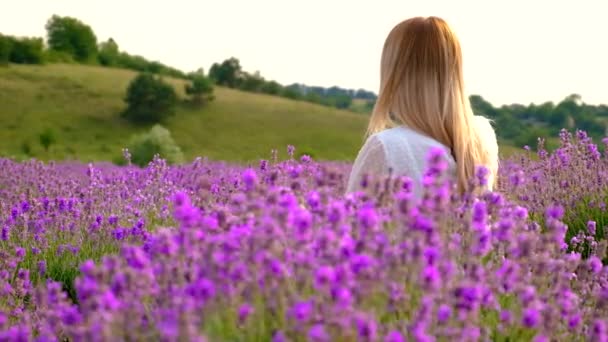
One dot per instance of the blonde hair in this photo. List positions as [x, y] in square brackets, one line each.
[422, 87]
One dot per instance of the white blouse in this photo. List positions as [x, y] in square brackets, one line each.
[404, 151]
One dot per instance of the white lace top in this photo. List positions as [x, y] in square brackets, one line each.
[404, 151]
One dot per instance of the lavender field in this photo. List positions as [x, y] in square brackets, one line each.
[275, 251]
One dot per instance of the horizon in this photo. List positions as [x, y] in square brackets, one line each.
[535, 61]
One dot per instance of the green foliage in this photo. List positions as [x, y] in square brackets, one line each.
[200, 89]
[149, 99]
[73, 37]
[228, 73]
[272, 88]
[52, 56]
[26, 50]
[139, 63]
[47, 138]
[5, 49]
[108, 54]
[26, 149]
[522, 124]
[251, 82]
[83, 102]
[157, 141]
[291, 92]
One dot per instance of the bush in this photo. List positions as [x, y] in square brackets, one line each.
[52, 56]
[5, 49]
[272, 88]
[70, 35]
[229, 73]
[47, 138]
[157, 141]
[149, 99]
[200, 89]
[26, 50]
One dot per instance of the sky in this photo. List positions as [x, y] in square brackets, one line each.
[515, 51]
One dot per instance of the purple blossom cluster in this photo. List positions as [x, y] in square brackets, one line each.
[275, 251]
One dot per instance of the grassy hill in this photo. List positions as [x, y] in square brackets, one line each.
[82, 105]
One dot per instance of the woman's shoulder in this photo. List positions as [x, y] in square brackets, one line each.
[481, 122]
[485, 129]
[404, 135]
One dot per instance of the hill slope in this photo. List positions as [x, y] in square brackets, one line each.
[82, 105]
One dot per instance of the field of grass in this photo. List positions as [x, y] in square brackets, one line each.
[81, 104]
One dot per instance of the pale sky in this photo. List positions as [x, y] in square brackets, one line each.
[514, 50]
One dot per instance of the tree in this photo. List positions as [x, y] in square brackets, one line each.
[149, 99]
[251, 82]
[72, 36]
[200, 89]
[108, 53]
[271, 87]
[47, 138]
[6, 46]
[229, 73]
[158, 141]
[26, 50]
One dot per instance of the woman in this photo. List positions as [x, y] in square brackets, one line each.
[422, 105]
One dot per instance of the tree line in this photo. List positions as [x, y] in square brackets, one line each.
[229, 73]
[523, 125]
[69, 40]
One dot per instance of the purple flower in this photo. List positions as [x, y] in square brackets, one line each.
[367, 216]
[19, 252]
[324, 276]
[394, 336]
[431, 255]
[530, 317]
[244, 312]
[591, 225]
[302, 311]
[87, 268]
[4, 235]
[595, 264]
[202, 289]
[361, 262]
[317, 333]
[555, 212]
[443, 313]
[42, 268]
[574, 321]
[279, 336]
[250, 178]
[342, 296]
[431, 278]
[366, 329]
[599, 331]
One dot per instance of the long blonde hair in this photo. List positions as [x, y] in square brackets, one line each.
[422, 87]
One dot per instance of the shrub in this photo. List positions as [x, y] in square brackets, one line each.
[157, 141]
[229, 73]
[200, 89]
[70, 35]
[5, 49]
[53, 56]
[26, 149]
[149, 99]
[26, 50]
[47, 138]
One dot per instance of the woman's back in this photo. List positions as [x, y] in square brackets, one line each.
[404, 152]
